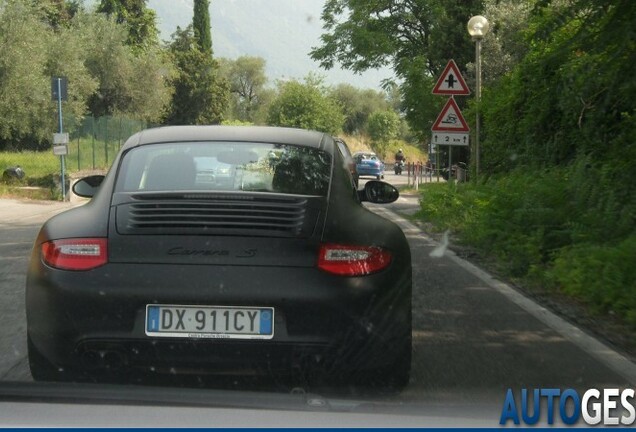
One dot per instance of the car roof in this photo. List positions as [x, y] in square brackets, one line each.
[279, 135]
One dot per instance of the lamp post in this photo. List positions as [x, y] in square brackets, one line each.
[477, 28]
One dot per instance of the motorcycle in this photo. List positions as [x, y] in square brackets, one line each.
[398, 167]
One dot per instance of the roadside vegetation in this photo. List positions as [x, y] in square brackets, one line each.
[554, 205]
[556, 200]
[539, 230]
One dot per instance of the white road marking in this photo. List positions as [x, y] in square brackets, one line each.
[597, 349]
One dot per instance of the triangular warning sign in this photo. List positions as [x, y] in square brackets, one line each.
[451, 82]
[450, 119]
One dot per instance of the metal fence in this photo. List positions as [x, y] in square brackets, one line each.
[419, 173]
[94, 142]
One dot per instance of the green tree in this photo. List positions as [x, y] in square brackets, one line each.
[305, 106]
[25, 107]
[66, 56]
[246, 76]
[132, 82]
[568, 92]
[383, 126]
[40, 39]
[506, 43]
[201, 25]
[140, 21]
[59, 13]
[201, 95]
[416, 38]
[357, 105]
[33, 47]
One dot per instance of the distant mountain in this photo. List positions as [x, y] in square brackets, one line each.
[280, 31]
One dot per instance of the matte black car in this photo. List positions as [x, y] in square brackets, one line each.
[210, 249]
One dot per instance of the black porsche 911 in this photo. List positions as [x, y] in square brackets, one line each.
[213, 249]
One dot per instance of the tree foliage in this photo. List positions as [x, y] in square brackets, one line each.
[200, 93]
[506, 43]
[201, 25]
[307, 106]
[59, 13]
[131, 82]
[358, 104]
[41, 39]
[246, 76]
[416, 38]
[383, 126]
[32, 50]
[25, 89]
[140, 21]
[569, 96]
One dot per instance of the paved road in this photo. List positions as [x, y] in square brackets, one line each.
[19, 224]
[474, 337]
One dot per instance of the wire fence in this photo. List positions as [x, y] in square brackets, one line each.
[93, 145]
[95, 142]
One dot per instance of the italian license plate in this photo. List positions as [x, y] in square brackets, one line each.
[220, 322]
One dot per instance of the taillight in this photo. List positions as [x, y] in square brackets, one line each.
[75, 254]
[348, 260]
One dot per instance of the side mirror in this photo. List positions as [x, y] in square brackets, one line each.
[378, 192]
[87, 187]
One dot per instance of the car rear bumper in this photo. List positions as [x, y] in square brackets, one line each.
[370, 171]
[96, 319]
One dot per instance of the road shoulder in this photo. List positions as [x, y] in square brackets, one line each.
[608, 350]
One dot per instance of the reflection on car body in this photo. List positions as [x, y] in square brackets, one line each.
[348, 159]
[202, 253]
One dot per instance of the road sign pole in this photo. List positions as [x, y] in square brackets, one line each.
[478, 98]
[59, 110]
[450, 162]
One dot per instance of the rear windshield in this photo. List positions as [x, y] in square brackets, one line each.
[226, 166]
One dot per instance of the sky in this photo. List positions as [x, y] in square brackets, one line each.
[281, 31]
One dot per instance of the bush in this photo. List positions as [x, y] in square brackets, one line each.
[600, 275]
[552, 227]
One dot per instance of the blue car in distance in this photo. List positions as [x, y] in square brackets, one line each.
[369, 164]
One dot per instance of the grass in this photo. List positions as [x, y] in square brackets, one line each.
[83, 154]
[42, 169]
[531, 225]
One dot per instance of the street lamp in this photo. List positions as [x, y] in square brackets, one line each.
[477, 28]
